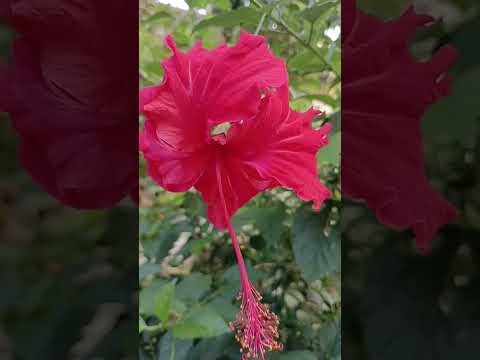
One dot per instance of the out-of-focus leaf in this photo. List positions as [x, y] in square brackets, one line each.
[311, 14]
[203, 4]
[212, 348]
[160, 245]
[141, 324]
[194, 204]
[232, 275]
[147, 296]
[306, 62]
[456, 117]
[224, 307]
[163, 301]
[193, 287]
[268, 219]
[147, 269]
[242, 16]
[200, 322]
[326, 99]
[331, 152]
[170, 348]
[330, 339]
[293, 355]
[155, 18]
[316, 254]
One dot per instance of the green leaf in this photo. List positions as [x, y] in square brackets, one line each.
[224, 307]
[163, 302]
[194, 204]
[159, 246]
[148, 296]
[311, 14]
[148, 269]
[327, 99]
[330, 339]
[155, 18]
[193, 287]
[197, 246]
[305, 62]
[317, 254]
[270, 223]
[331, 153]
[170, 348]
[213, 348]
[141, 325]
[456, 117]
[231, 275]
[293, 355]
[221, 4]
[201, 322]
[242, 16]
[268, 219]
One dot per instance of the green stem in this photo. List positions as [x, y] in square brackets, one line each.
[310, 33]
[293, 33]
[260, 24]
[172, 354]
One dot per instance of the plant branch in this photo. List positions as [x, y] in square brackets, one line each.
[260, 24]
[293, 33]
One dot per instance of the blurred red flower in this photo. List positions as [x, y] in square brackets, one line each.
[70, 98]
[385, 93]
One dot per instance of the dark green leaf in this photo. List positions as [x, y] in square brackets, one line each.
[148, 269]
[141, 324]
[242, 16]
[456, 117]
[316, 254]
[331, 153]
[200, 322]
[158, 16]
[163, 301]
[170, 348]
[293, 355]
[193, 287]
[306, 62]
[311, 14]
[148, 295]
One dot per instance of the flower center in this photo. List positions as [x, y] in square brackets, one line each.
[219, 132]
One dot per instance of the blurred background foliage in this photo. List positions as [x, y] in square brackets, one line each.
[397, 304]
[188, 275]
[68, 278]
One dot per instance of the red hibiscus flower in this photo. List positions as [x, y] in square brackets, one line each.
[262, 144]
[385, 93]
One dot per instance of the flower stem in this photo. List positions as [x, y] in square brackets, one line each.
[236, 246]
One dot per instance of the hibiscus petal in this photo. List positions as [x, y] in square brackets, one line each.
[173, 122]
[226, 82]
[238, 183]
[147, 95]
[174, 168]
[277, 148]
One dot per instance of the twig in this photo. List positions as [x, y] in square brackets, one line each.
[260, 24]
[292, 32]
